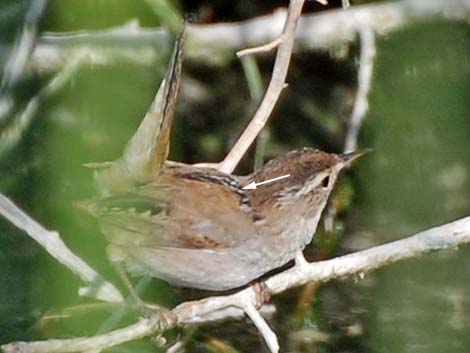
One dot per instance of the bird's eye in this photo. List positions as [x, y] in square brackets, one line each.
[325, 181]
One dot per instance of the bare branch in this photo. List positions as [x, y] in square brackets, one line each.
[361, 105]
[324, 29]
[13, 133]
[143, 45]
[23, 47]
[275, 87]
[244, 301]
[129, 42]
[260, 49]
[263, 327]
[450, 235]
[53, 244]
[20, 54]
[143, 328]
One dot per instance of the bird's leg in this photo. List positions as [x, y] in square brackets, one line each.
[261, 293]
[300, 259]
[116, 257]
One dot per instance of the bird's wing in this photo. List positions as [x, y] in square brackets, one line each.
[189, 210]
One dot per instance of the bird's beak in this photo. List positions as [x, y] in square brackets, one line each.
[349, 157]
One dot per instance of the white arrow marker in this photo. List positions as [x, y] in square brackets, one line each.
[254, 184]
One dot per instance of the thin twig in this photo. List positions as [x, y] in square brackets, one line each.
[260, 49]
[15, 67]
[13, 133]
[361, 105]
[177, 347]
[23, 46]
[53, 244]
[262, 326]
[275, 87]
[364, 79]
[450, 235]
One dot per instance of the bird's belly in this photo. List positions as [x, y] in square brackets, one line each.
[218, 269]
[222, 269]
[286, 242]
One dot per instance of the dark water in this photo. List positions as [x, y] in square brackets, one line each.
[417, 177]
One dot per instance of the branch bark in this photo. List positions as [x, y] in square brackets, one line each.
[317, 31]
[450, 235]
[367, 19]
[97, 287]
[277, 83]
[364, 79]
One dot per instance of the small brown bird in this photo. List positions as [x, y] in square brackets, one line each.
[198, 227]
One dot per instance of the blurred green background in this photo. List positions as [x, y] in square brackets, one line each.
[418, 175]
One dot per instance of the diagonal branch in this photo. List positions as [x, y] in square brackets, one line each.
[450, 235]
[53, 244]
[273, 92]
[23, 47]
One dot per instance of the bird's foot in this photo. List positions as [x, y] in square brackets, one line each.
[262, 294]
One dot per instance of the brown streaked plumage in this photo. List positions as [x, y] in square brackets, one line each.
[198, 227]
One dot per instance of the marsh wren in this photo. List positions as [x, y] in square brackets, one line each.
[198, 227]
